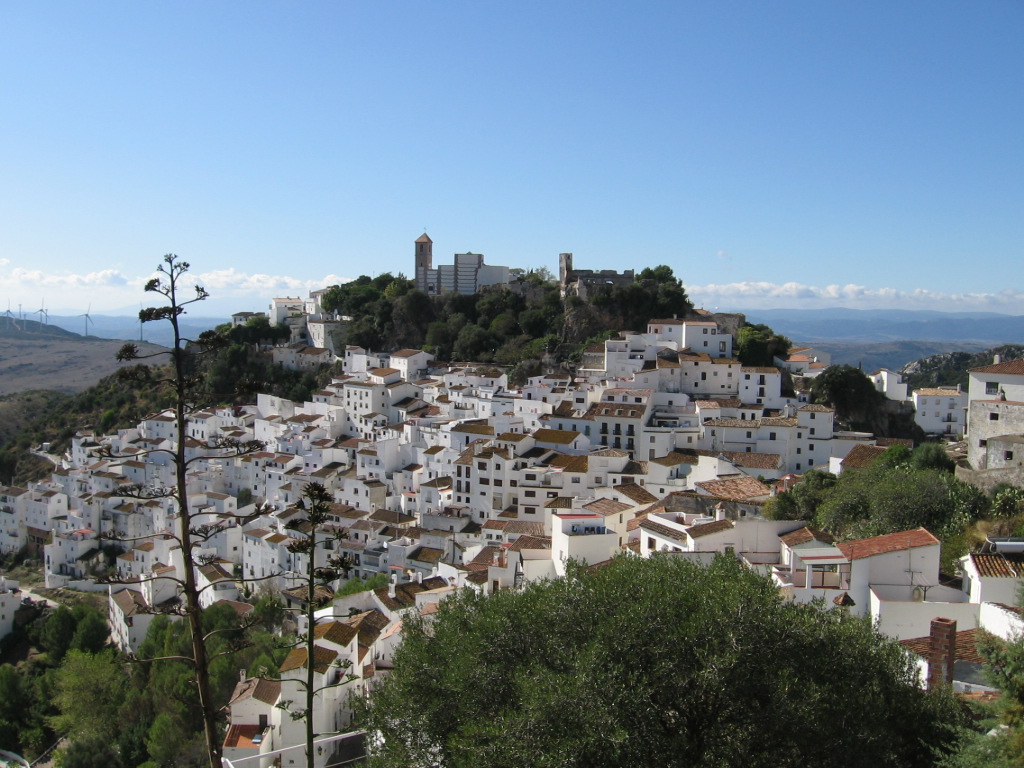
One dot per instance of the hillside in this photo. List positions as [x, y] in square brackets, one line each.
[951, 369]
[890, 354]
[36, 357]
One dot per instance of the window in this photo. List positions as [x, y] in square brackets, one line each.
[991, 387]
[993, 417]
[1008, 456]
[771, 435]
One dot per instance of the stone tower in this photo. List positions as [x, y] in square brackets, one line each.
[424, 262]
[564, 269]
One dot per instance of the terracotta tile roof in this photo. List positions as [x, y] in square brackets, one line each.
[705, 529]
[474, 428]
[816, 408]
[636, 493]
[779, 421]
[733, 422]
[634, 523]
[754, 460]
[322, 659]
[559, 502]
[862, 455]
[524, 528]
[426, 555]
[805, 535]
[735, 489]
[675, 458]
[613, 453]
[577, 464]
[892, 542]
[530, 542]
[966, 646]
[1015, 367]
[938, 392]
[999, 566]
[607, 507]
[662, 530]
[257, 688]
[556, 436]
[370, 624]
[130, 602]
[617, 410]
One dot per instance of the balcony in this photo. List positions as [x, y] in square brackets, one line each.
[819, 579]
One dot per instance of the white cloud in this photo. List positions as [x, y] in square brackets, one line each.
[111, 289]
[765, 295]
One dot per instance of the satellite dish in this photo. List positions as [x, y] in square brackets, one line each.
[918, 594]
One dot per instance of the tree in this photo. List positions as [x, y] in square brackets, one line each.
[317, 502]
[91, 633]
[803, 500]
[652, 662]
[191, 534]
[58, 633]
[89, 692]
[848, 390]
[757, 344]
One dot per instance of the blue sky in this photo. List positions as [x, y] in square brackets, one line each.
[775, 154]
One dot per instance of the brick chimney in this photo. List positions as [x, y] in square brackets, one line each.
[941, 653]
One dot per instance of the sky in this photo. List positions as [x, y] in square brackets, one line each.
[798, 154]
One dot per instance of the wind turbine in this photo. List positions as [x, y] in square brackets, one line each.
[87, 319]
[43, 314]
[10, 316]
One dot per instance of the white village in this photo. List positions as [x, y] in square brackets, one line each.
[444, 478]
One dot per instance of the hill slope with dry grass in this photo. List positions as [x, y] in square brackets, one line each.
[44, 357]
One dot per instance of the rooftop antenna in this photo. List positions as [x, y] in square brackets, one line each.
[87, 319]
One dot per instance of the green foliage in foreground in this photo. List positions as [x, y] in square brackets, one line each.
[118, 713]
[653, 662]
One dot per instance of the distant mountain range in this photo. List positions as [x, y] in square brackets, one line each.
[891, 338]
[129, 328]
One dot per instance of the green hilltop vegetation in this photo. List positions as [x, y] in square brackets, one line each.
[516, 326]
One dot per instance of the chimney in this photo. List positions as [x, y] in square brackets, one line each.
[997, 359]
[941, 653]
[502, 558]
[241, 675]
[719, 511]
[391, 586]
